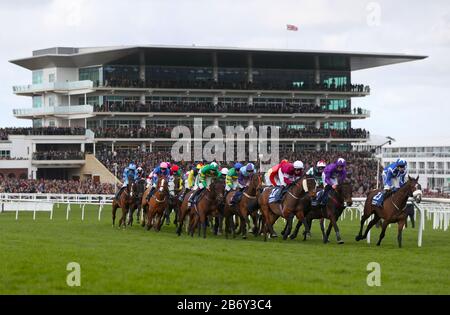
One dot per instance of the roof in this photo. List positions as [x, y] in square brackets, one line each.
[202, 56]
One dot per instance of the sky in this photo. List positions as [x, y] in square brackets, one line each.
[407, 100]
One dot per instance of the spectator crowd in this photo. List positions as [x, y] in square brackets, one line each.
[16, 185]
[44, 131]
[58, 155]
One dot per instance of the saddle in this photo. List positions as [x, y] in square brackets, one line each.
[237, 197]
[276, 195]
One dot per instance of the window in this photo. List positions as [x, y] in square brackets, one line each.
[92, 74]
[51, 100]
[37, 77]
[5, 154]
[51, 123]
[51, 77]
[37, 101]
[37, 123]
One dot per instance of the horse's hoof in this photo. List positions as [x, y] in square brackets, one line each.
[274, 235]
[358, 238]
[244, 237]
[340, 242]
[326, 241]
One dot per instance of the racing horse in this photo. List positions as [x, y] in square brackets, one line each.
[209, 203]
[272, 211]
[175, 187]
[137, 205]
[393, 210]
[309, 187]
[338, 199]
[158, 204]
[124, 201]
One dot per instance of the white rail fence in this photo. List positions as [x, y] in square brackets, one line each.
[46, 202]
[435, 209]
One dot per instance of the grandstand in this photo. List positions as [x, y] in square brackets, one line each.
[91, 104]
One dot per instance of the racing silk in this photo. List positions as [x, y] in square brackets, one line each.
[273, 173]
[390, 173]
[203, 174]
[231, 179]
[128, 172]
[190, 179]
[331, 176]
[157, 173]
[244, 176]
[283, 178]
[314, 172]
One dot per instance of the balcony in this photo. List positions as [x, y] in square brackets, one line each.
[74, 87]
[73, 112]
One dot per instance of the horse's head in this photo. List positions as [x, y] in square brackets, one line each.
[345, 191]
[162, 185]
[177, 183]
[309, 185]
[413, 188]
[255, 181]
[218, 188]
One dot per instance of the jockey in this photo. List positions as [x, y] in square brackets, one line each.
[232, 177]
[191, 176]
[333, 174]
[394, 176]
[203, 180]
[128, 172]
[245, 174]
[317, 171]
[272, 173]
[283, 179]
[161, 170]
[175, 171]
[140, 173]
[298, 170]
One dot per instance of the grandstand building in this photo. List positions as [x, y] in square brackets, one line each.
[131, 97]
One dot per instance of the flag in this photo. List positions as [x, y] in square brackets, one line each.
[291, 27]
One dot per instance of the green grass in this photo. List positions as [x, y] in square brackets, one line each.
[34, 256]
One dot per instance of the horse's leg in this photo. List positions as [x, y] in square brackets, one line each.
[383, 231]
[254, 216]
[360, 235]
[297, 228]
[370, 225]
[336, 230]
[114, 210]
[322, 228]
[288, 227]
[401, 223]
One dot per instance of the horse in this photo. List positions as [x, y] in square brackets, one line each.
[309, 187]
[208, 203]
[125, 202]
[183, 211]
[158, 204]
[338, 200]
[140, 189]
[175, 188]
[392, 210]
[272, 211]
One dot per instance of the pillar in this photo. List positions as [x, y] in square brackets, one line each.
[316, 69]
[215, 100]
[318, 146]
[250, 100]
[317, 124]
[215, 67]
[83, 147]
[250, 67]
[142, 66]
[143, 122]
[93, 147]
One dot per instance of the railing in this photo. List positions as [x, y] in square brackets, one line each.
[57, 110]
[63, 86]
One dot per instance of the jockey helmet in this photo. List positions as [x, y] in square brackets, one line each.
[250, 167]
[224, 171]
[321, 163]
[287, 168]
[341, 162]
[174, 168]
[163, 165]
[284, 161]
[132, 166]
[214, 164]
[401, 162]
[199, 166]
[237, 166]
[140, 170]
[298, 165]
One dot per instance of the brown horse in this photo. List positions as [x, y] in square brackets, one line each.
[176, 187]
[392, 211]
[125, 201]
[272, 211]
[140, 189]
[309, 187]
[158, 204]
[184, 210]
[209, 203]
[338, 200]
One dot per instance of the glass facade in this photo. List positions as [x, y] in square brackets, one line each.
[37, 101]
[339, 105]
[232, 75]
[289, 79]
[92, 73]
[341, 125]
[38, 76]
[335, 78]
[178, 73]
[37, 123]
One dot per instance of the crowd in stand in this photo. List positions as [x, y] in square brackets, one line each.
[15, 185]
[207, 107]
[117, 80]
[45, 131]
[58, 155]
[165, 132]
